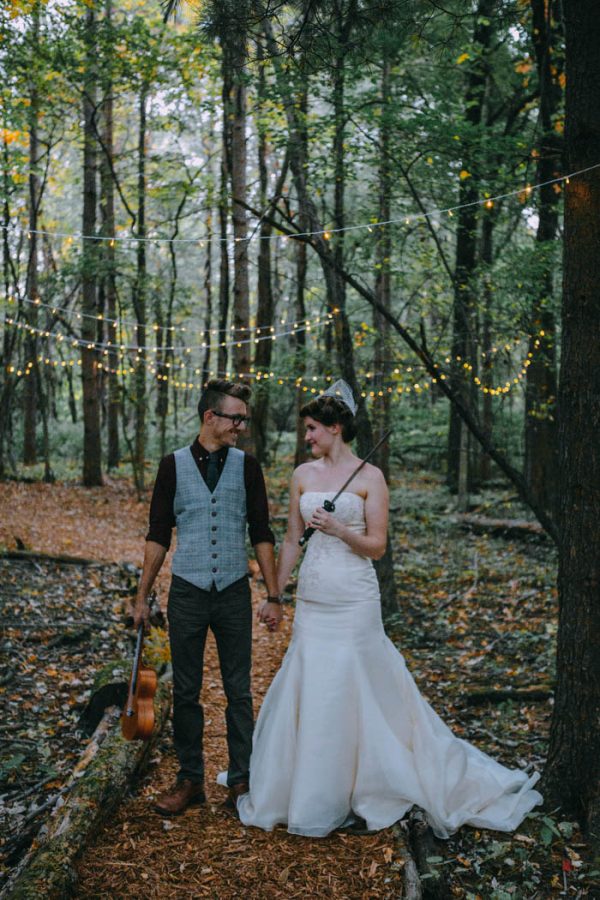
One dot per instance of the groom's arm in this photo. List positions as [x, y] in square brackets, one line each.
[262, 538]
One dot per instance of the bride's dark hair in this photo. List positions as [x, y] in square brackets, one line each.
[331, 411]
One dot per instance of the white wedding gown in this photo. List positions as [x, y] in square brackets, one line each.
[343, 728]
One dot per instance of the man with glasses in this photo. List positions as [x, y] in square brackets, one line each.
[210, 492]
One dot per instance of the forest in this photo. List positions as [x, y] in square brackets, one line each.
[401, 193]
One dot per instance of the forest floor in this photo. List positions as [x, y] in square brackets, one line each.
[477, 616]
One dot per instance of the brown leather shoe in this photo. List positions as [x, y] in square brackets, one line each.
[235, 791]
[183, 794]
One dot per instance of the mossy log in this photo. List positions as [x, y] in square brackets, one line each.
[509, 528]
[98, 784]
[412, 888]
[426, 847]
[65, 558]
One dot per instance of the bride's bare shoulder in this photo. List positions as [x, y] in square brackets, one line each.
[304, 474]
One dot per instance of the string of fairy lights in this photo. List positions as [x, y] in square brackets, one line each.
[171, 371]
[304, 383]
[523, 193]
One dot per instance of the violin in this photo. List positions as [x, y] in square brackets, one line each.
[137, 718]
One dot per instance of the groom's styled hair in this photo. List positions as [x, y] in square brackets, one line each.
[331, 411]
[215, 392]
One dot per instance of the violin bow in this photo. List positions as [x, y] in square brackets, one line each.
[329, 505]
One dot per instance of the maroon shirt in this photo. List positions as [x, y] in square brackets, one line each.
[162, 517]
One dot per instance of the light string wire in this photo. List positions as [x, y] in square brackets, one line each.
[182, 329]
[467, 367]
[307, 326]
[324, 232]
[393, 388]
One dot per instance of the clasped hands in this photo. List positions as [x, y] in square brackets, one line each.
[270, 614]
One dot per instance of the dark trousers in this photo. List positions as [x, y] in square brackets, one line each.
[228, 614]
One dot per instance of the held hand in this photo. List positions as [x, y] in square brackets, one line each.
[140, 611]
[270, 614]
[326, 522]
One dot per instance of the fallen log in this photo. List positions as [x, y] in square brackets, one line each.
[412, 888]
[97, 786]
[38, 555]
[499, 695]
[426, 847]
[511, 528]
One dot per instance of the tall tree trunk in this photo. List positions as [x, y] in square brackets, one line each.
[487, 419]
[92, 452]
[265, 305]
[541, 451]
[383, 254]
[140, 299]
[300, 350]
[223, 220]
[572, 774]
[464, 327]
[30, 405]
[107, 206]
[208, 276]
[240, 357]
[9, 336]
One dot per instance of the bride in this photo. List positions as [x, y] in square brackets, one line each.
[343, 732]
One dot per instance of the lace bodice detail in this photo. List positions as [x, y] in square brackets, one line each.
[331, 571]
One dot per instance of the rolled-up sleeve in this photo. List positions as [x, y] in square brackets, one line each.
[162, 517]
[257, 504]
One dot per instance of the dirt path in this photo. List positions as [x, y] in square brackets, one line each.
[207, 852]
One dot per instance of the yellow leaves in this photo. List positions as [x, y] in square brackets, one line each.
[156, 649]
[464, 174]
[462, 58]
[10, 137]
[388, 854]
[523, 67]
[559, 126]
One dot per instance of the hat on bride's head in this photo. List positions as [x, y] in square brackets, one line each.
[341, 391]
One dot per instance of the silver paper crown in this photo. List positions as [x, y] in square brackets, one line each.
[341, 391]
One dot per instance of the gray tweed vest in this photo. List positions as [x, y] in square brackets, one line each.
[211, 528]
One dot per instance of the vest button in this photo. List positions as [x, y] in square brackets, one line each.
[213, 514]
[213, 542]
[213, 500]
[213, 527]
[214, 570]
[215, 555]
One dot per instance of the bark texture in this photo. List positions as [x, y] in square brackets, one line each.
[572, 775]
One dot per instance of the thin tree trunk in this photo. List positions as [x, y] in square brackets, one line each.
[223, 220]
[9, 337]
[486, 338]
[572, 775]
[208, 277]
[265, 306]
[383, 253]
[464, 328]
[30, 399]
[541, 450]
[240, 357]
[92, 453]
[140, 299]
[107, 205]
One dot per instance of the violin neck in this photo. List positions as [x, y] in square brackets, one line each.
[139, 644]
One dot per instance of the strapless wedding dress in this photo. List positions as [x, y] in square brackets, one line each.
[343, 728]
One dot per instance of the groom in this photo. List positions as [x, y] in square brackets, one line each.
[209, 492]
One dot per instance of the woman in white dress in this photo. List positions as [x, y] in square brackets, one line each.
[343, 731]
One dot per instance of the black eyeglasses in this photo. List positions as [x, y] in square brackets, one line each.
[236, 419]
